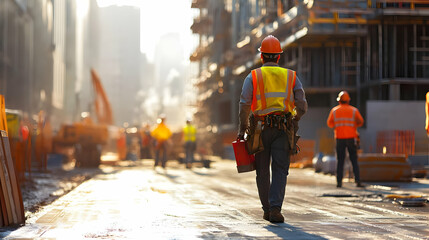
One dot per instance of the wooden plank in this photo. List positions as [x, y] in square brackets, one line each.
[424, 63]
[3, 207]
[7, 188]
[3, 211]
[419, 49]
[16, 190]
[3, 121]
[1, 218]
[404, 1]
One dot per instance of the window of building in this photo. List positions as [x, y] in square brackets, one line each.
[318, 99]
[384, 90]
[421, 92]
[407, 92]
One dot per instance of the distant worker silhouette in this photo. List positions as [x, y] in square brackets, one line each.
[189, 137]
[146, 142]
[162, 135]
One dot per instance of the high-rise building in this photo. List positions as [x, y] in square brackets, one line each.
[34, 54]
[115, 54]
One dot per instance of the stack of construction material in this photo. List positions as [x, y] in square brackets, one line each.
[396, 142]
[384, 167]
[12, 208]
[305, 157]
[11, 204]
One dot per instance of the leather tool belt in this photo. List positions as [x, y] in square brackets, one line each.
[280, 121]
[283, 122]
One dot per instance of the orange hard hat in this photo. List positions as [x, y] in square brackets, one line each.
[343, 96]
[270, 44]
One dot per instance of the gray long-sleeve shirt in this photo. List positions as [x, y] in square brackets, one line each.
[247, 95]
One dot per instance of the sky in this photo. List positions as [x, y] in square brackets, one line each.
[159, 17]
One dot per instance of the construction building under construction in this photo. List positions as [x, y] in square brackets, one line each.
[377, 50]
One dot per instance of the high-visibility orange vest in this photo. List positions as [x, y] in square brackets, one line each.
[273, 90]
[345, 120]
[427, 113]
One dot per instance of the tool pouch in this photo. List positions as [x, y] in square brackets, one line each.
[291, 129]
[295, 149]
[254, 132]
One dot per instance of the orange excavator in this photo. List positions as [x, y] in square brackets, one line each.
[85, 136]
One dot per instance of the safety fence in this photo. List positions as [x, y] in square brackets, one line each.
[396, 142]
[11, 203]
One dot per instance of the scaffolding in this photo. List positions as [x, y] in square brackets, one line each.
[375, 49]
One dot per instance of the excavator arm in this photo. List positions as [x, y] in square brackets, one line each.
[103, 109]
[88, 138]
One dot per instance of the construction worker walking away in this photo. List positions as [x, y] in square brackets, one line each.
[121, 144]
[275, 100]
[345, 119]
[161, 134]
[189, 137]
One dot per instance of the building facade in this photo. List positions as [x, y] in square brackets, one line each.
[16, 63]
[376, 50]
[115, 54]
[34, 54]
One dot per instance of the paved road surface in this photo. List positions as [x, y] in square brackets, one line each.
[139, 202]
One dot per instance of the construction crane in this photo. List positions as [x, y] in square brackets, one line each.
[86, 137]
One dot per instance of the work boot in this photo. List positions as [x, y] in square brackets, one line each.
[276, 216]
[266, 216]
[358, 184]
[339, 185]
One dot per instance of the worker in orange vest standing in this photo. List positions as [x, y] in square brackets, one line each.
[427, 114]
[277, 101]
[345, 119]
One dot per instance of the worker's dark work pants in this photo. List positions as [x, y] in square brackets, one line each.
[189, 151]
[350, 144]
[275, 146]
[161, 150]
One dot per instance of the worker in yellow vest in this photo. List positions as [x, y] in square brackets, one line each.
[189, 137]
[162, 135]
[277, 101]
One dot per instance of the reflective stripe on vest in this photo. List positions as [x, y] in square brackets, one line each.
[273, 90]
[339, 122]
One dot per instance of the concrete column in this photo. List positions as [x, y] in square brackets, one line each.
[380, 52]
[234, 102]
[415, 50]
[358, 87]
[234, 25]
[394, 92]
